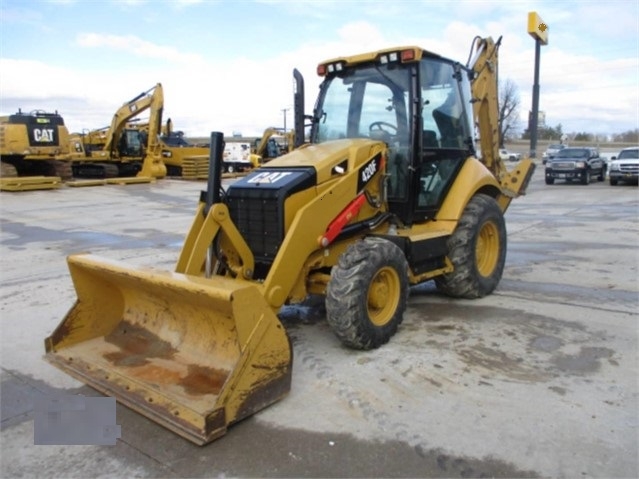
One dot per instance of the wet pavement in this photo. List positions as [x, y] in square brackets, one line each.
[537, 380]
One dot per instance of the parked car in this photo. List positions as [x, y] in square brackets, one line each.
[551, 151]
[625, 167]
[575, 164]
[506, 155]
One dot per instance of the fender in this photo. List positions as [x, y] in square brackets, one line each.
[473, 178]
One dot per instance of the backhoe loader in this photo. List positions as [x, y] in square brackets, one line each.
[387, 192]
[120, 150]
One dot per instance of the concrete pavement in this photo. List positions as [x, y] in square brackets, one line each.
[538, 379]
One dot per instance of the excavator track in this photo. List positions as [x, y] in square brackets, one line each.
[7, 170]
[61, 168]
[95, 170]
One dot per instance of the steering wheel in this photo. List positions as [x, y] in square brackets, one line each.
[383, 126]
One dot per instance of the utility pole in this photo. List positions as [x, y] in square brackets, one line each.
[284, 110]
[539, 31]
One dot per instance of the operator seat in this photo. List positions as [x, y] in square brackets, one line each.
[429, 138]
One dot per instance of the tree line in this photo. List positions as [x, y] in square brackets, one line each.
[509, 123]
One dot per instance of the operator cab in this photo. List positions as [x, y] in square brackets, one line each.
[418, 104]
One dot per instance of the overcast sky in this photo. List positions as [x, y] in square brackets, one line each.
[227, 65]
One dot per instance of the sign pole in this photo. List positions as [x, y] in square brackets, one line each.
[539, 31]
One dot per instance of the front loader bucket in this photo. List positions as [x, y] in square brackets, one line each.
[190, 353]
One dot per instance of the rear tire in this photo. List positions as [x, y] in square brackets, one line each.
[477, 250]
[367, 294]
[602, 174]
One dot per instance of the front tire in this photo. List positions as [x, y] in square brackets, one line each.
[613, 181]
[585, 178]
[477, 250]
[367, 294]
[550, 181]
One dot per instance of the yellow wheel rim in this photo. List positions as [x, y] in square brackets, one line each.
[487, 249]
[383, 296]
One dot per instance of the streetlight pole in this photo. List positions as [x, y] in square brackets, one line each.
[284, 110]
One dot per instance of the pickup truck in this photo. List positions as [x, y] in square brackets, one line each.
[552, 150]
[624, 167]
[506, 155]
[575, 164]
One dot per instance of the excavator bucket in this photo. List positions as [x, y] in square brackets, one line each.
[191, 353]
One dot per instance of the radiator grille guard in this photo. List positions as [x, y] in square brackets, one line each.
[256, 206]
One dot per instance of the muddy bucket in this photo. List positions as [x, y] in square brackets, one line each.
[192, 354]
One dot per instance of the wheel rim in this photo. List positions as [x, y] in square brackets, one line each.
[487, 249]
[383, 296]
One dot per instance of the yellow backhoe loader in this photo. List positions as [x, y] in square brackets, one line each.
[31, 145]
[121, 150]
[387, 193]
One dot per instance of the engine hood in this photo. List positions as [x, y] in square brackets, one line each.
[347, 155]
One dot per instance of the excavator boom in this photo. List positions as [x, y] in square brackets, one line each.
[120, 150]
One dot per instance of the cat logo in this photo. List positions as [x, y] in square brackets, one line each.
[43, 135]
[268, 177]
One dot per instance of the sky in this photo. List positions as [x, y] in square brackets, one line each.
[227, 65]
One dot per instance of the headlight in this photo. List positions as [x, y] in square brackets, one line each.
[580, 164]
[614, 165]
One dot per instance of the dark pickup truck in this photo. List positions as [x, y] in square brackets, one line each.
[579, 164]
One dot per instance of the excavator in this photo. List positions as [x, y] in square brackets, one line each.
[183, 159]
[267, 148]
[389, 191]
[121, 150]
[31, 146]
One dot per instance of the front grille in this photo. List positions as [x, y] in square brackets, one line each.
[258, 220]
[629, 167]
[563, 165]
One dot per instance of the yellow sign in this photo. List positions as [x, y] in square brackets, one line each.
[537, 28]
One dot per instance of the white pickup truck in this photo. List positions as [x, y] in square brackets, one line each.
[506, 155]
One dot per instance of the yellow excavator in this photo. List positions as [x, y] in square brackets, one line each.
[387, 192]
[267, 147]
[120, 150]
[31, 145]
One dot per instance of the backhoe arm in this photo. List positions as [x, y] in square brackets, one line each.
[485, 94]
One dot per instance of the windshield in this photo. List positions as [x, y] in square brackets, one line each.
[368, 102]
[572, 153]
[629, 154]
